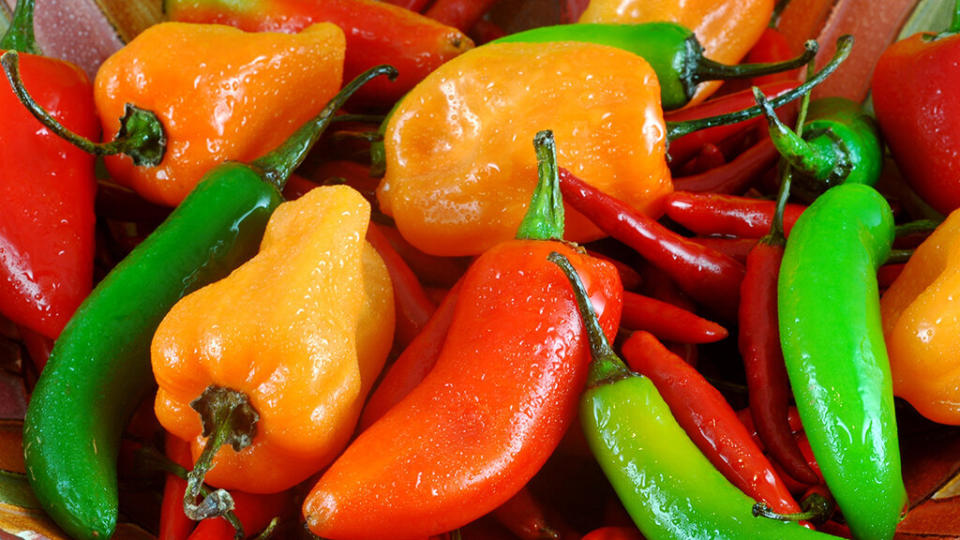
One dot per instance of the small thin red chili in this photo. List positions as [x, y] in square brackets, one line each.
[719, 214]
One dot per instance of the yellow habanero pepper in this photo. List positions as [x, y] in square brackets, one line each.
[459, 167]
[921, 323]
[300, 331]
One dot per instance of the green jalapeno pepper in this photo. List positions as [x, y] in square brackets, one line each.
[666, 484]
[99, 368]
[672, 50]
[840, 144]
[833, 346]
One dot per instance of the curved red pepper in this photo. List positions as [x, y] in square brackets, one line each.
[667, 321]
[714, 213]
[735, 176]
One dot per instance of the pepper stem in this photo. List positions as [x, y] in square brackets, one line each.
[606, 367]
[277, 165]
[809, 159]
[705, 69]
[19, 35]
[141, 134]
[817, 509]
[544, 218]
[228, 418]
[679, 129]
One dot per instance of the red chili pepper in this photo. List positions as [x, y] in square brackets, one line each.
[710, 157]
[735, 176]
[462, 14]
[684, 148]
[772, 47]
[431, 269]
[709, 277]
[614, 533]
[47, 186]
[174, 524]
[709, 421]
[412, 5]
[412, 365]
[255, 511]
[628, 276]
[297, 186]
[713, 213]
[413, 306]
[485, 31]
[667, 321]
[887, 273]
[526, 517]
[738, 248]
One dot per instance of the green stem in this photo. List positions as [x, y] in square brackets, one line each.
[544, 218]
[800, 154]
[141, 134]
[918, 226]
[679, 129]
[710, 70]
[277, 165]
[360, 118]
[817, 509]
[898, 256]
[606, 367]
[19, 35]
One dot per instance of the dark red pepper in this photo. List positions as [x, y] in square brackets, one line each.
[714, 213]
[735, 176]
[462, 14]
[667, 321]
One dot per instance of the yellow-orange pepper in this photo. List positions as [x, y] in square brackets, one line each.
[921, 323]
[302, 329]
[220, 93]
[727, 29]
[460, 169]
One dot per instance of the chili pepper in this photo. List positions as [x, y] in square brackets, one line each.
[628, 276]
[47, 230]
[727, 29]
[456, 178]
[255, 512]
[709, 420]
[735, 176]
[667, 321]
[495, 405]
[840, 143]
[833, 347]
[525, 517]
[413, 307]
[772, 46]
[412, 5]
[714, 213]
[462, 14]
[174, 524]
[710, 157]
[706, 275]
[484, 31]
[919, 323]
[888, 274]
[673, 51]
[818, 507]
[377, 33]
[683, 148]
[737, 248]
[99, 361]
[649, 459]
[613, 533]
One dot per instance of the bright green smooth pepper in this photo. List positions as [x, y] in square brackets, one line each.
[672, 50]
[669, 488]
[99, 368]
[833, 347]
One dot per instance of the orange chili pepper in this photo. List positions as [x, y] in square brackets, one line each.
[217, 92]
[301, 330]
[727, 29]
[459, 171]
[921, 322]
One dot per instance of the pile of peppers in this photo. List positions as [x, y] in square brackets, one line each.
[358, 269]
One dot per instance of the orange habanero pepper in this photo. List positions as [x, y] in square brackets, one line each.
[921, 323]
[727, 29]
[301, 330]
[459, 172]
[220, 93]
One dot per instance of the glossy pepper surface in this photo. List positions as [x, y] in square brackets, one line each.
[663, 480]
[376, 33]
[921, 324]
[306, 358]
[226, 106]
[459, 171]
[726, 29]
[830, 332]
[46, 231]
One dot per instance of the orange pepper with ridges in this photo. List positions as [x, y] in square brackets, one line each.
[727, 29]
[459, 172]
[921, 322]
[301, 330]
[220, 93]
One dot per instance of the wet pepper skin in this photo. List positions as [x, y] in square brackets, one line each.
[500, 397]
[459, 169]
[921, 322]
[221, 94]
[306, 357]
[727, 29]
[47, 185]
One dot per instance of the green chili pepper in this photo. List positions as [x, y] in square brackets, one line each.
[672, 50]
[99, 368]
[835, 354]
[666, 484]
[840, 144]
